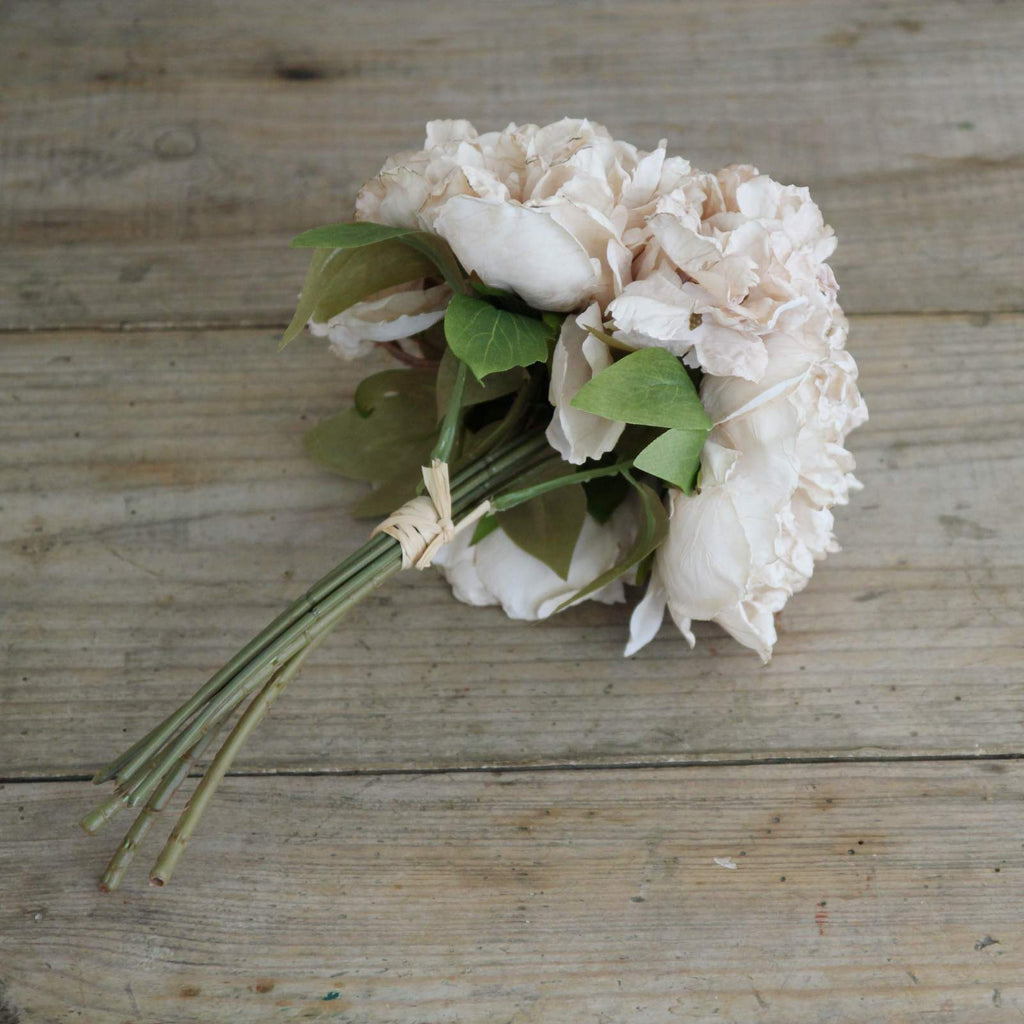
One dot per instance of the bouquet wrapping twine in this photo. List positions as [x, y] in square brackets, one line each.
[609, 370]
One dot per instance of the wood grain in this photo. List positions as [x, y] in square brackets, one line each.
[158, 510]
[861, 894]
[153, 167]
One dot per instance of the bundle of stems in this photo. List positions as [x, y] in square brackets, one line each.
[149, 773]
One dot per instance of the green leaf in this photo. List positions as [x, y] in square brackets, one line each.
[489, 291]
[512, 303]
[362, 233]
[610, 340]
[650, 387]
[487, 525]
[390, 495]
[397, 436]
[492, 340]
[652, 531]
[500, 298]
[643, 570]
[322, 267]
[549, 525]
[368, 271]
[604, 495]
[414, 386]
[339, 278]
[495, 385]
[675, 457]
[634, 440]
[352, 235]
[553, 322]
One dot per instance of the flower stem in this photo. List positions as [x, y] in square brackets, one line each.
[153, 768]
[452, 416]
[122, 859]
[186, 824]
[512, 420]
[509, 499]
[320, 619]
[128, 763]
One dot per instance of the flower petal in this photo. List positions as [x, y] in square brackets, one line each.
[728, 352]
[394, 316]
[577, 435]
[752, 625]
[648, 615]
[497, 571]
[518, 248]
[705, 561]
[655, 308]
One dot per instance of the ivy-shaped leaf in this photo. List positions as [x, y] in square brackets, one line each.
[649, 387]
[405, 482]
[604, 495]
[366, 272]
[501, 298]
[675, 457]
[489, 291]
[415, 386]
[652, 530]
[496, 385]
[362, 233]
[492, 340]
[397, 436]
[549, 525]
[324, 264]
[388, 496]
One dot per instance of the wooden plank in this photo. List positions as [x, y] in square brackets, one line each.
[861, 894]
[153, 168]
[158, 510]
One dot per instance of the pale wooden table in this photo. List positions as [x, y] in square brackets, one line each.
[369, 862]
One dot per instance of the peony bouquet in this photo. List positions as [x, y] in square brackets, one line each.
[610, 370]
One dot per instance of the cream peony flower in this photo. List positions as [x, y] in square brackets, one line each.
[541, 211]
[730, 259]
[530, 209]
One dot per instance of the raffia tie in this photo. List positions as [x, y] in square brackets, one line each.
[424, 525]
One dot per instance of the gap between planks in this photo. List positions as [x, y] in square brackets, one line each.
[735, 762]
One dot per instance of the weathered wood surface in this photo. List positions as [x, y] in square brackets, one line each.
[156, 159]
[158, 510]
[862, 894]
[155, 510]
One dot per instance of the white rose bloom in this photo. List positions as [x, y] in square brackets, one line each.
[497, 571]
[771, 470]
[394, 315]
[654, 311]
